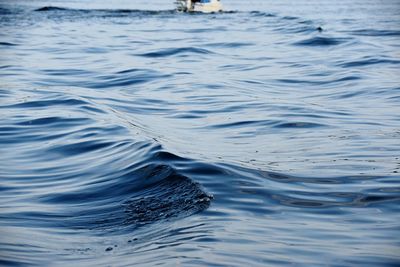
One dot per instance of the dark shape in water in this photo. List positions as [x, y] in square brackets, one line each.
[7, 44]
[50, 8]
[319, 41]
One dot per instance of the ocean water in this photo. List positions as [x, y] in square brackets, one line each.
[134, 135]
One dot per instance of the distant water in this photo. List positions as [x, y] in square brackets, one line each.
[267, 135]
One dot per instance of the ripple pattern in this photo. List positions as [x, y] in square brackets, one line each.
[265, 135]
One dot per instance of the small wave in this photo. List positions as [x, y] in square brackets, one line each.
[4, 11]
[51, 8]
[321, 41]
[290, 18]
[52, 121]
[298, 29]
[81, 148]
[131, 198]
[261, 14]
[7, 44]
[106, 11]
[175, 196]
[367, 62]
[6, 67]
[239, 124]
[230, 44]
[47, 103]
[66, 72]
[298, 125]
[340, 200]
[376, 33]
[82, 78]
[320, 82]
[205, 30]
[125, 78]
[176, 51]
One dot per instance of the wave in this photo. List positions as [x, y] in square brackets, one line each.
[115, 11]
[176, 51]
[367, 62]
[375, 32]
[268, 123]
[261, 14]
[321, 41]
[7, 44]
[101, 179]
[79, 78]
[93, 174]
[51, 8]
[126, 138]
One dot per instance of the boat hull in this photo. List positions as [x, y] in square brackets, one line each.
[205, 6]
[211, 7]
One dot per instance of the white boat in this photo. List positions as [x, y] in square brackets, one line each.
[204, 6]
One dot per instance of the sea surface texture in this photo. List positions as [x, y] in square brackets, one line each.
[135, 135]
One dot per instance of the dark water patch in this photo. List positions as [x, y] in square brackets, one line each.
[321, 41]
[187, 116]
[130, 77]
[261, 14]
[244, 123]
[230, 44]
[368, 62]
[348, 78]
[290, 18]
[129, 71]
[334, 180]
[66, 72]
[306, 22]
[102, 81]
[95, 50]
[291, 29]
[205, 30]
[369, 200]
[146, 195]
[323, 82]
[5, 11]
[376, 33]
[339, 199]
[81, 147]
[7, 44]
[175, 196]
[92, 109]
[16, 263]
[51, 121]
[298, 125]
[184, 51]
[325, 195]
[6, 67]
[144, 12]
[105, 12]
[47, 103]
[164, 156]
[51, 8]
[4, 93]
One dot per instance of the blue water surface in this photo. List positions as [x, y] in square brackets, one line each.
[265, 135]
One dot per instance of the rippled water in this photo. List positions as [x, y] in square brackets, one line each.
[265, 135]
